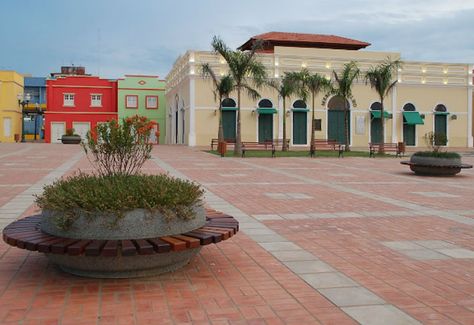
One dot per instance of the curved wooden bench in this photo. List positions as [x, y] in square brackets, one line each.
[26, 233]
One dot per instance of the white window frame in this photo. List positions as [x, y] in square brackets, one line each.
[147, 106]
[68, 99]
[127, 103]
[97, 101]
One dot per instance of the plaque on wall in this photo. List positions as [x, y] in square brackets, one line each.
[317, 124]
[360, 125]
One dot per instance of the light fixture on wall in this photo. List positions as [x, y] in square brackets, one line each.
[454, 117]
[288, 113]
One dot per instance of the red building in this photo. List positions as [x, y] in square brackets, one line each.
[78, 101]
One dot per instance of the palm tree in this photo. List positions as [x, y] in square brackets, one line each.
[246, 73]
[222, 89]
[342, 87]
[310, 84]
[285, 88]
[380, 79]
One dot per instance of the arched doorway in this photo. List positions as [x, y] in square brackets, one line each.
[375, 129]
[229, 119]
[300, 122]
[265, 120]
[336, 115]
[441, 125]
[176, 120]
[410, 119]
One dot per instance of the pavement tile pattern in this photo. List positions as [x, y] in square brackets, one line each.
[322, 241]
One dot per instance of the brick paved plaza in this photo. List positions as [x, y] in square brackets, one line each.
[322, 241]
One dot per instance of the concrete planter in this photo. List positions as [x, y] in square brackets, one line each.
[136, 224]
[71, 139]
[434, 166]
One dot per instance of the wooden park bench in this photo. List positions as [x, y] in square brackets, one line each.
[326, 145]
[278, 143]
[215, 142]
[398, 148]
[267, 145]
[26, 233]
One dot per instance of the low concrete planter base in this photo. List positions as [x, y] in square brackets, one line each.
[123, 266]
[433, 166]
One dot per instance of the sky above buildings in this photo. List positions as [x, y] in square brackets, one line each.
[116, 37]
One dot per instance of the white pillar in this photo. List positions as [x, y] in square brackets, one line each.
[280, 118]
[192, 112]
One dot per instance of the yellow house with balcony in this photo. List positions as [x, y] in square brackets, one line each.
[11, 84]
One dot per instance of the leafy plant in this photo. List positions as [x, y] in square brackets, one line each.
[437, 154]
[70, 132]
[434, 141]
[113, 195]
[116, 149]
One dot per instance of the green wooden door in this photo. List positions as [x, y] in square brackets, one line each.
[265, 127]
[300, 128]
[409, 134]
[441, 128]
[229, 124]
[336, 125]
[375, 131]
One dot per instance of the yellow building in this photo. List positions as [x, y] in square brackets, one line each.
[11, 84]
[429, 96]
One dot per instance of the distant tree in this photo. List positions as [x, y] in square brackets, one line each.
[285, 88]
[380, 79]
[341, 87]
[222, 89]
[247, 74]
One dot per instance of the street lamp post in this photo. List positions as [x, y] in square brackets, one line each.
[23, 100]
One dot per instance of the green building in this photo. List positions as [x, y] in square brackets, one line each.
[144, 96]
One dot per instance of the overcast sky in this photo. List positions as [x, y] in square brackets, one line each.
[117, 37]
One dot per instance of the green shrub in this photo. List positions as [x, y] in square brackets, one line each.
[437, 154]
[114, 195]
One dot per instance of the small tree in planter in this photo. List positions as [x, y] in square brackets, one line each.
[435, 161]
[71, 137]
[120, 203]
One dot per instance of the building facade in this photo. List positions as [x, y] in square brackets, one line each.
[427, 97]
[144, 96]
[34, 119]
[11, 84]
[79, 102]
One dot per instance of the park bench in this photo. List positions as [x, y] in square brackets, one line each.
[398, 148]
[215, 142]
[326, 145]
[278, 143]
[267, 145]
[26, 233]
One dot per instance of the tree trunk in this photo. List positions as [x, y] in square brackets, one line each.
[284, 147]
[346, 125]
[238, 140]
[382, 128]
[312, 148]
[220, 130]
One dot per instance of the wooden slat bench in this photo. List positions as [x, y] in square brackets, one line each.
[388, 147]
[278, 143]
[327, 145]
[26, 233]
[215, 142]
[267, 145]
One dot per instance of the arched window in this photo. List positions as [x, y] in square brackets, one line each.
[440, 108]
[409, 107]
[337, 103]
[377, 106]
[265, 103]
[299, 104]
[229, 102]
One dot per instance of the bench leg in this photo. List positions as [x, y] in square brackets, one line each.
[243, 153]
[273, 153]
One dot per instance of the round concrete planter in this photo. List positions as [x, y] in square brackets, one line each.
[136, 224]
[71, 139]
[434, 166]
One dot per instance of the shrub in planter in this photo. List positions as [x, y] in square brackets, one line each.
[70, 137]
[117, 202]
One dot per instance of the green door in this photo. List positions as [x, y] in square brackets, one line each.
[375, 131]
[409, 132]
[441, 128]
[336, 125]
[229, 124]
[299, 128]
[265, 127]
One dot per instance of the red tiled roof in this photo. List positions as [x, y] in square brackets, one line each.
[305, 40]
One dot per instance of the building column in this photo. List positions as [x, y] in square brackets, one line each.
[280, 118]
[192, 112]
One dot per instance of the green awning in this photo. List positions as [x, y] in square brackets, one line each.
[229, 108]
[412, 118]
[376, 114]
[266, 110]
[300, 110]
[441, 113]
